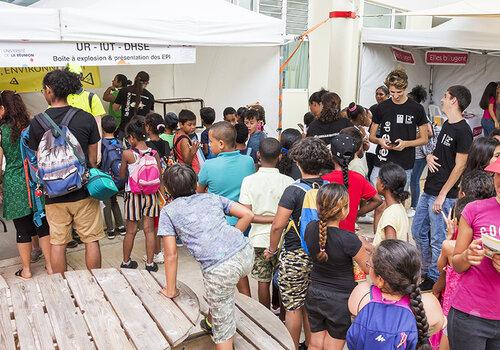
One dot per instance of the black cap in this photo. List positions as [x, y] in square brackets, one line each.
[343, 147]
[171, 120]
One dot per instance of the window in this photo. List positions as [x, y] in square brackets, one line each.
[271, 8]
[293, 12]
[296, 74]
[382, 17]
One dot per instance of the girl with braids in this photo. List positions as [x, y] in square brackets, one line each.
[333, 252]
[286, 165]
[134, 100]
[14, 118]
[392, 313]
[330, 122]
[394, 222]
[343, 148]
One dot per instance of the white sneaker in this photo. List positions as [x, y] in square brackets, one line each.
[410, 212]
[157, 258]
[366, 219]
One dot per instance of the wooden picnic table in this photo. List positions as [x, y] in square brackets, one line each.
[120, 309]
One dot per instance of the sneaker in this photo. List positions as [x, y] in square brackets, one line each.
[132, 264]
[303, 346]
[206, 326]
[410, 212]
[365, 219]
[111, 234]
[275, 310]
[157, 258]
[152, 268]
[36, 255]
[121, 230]
[72, 244]
[178, 241]
[426, 285]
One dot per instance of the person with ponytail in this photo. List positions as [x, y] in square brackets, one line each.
[392, 313]
[343, 148]
[330, 122]
[16, 198]
[120, 81]
[134, 100]
[394, 222]
[286, 166]
[333, 252]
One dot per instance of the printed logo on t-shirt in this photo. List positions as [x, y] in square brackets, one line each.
[446, 140]
[409, 119]
[387, 126]
[380, 338]
[400, 118]
[491, 230]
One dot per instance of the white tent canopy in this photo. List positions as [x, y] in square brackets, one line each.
[468, 8]
[164, 22]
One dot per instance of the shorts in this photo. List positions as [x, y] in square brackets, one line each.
[294, 278]
[220, 283]
[139, 205]
[328, 310]
[84, 215]
[263, 269]
[25, 229]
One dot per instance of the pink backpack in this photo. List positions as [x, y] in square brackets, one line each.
[145, 178]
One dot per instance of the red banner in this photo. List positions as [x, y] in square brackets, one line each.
[446, 58]
[403, 56]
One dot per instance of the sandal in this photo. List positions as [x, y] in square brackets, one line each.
[19, 274]
[206, 325]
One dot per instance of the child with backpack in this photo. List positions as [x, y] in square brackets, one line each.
[111, 159]
[185, 150]
[225, 255]
[333, 251]
[141, 192]
[392, 313]
[312, 156]
[393, 223]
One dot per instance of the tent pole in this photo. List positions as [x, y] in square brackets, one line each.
[431, 85]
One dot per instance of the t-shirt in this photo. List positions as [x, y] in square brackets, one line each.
[295, 172]
[325, 131]
[359, 166]
[398, 121]
[254, 143]
[127, 99]
[204, 140]
[83, 126]
[292, 199]
[199, 222]
[486, 113]
[453, 138]
[263, 191]
[115, 114]
[478, 292]
[224, 174]
[341, 246]
[81, 100]
[359, 188]
[169, 138]
[160, 146]
[195, 163]
[395, 216]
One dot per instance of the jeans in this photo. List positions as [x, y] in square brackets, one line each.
[111, 206]
[429, 232]
[467, 332]
[376, 170]
[416, 174]
[488, 126]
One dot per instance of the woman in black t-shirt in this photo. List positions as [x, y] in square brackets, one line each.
[311, 156]
[330, 121]
[332, 278]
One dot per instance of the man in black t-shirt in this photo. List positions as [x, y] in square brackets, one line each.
[75, 209]
[446, 165]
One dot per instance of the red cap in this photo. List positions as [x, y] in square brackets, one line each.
[494, 168]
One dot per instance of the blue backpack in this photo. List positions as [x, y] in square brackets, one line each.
[61, 161]
[383, 326]
[33, 183]
[309, 211]
[111, 161]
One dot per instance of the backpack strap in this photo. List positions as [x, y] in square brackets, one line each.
[91, 96]
[249, 151]
[68, 116]
[179, 139]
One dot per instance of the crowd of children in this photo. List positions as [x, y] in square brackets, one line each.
[284, 211]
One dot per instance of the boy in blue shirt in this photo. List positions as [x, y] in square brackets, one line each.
[224, 174]
[256, 136]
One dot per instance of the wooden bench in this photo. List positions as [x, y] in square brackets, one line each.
[119, 309]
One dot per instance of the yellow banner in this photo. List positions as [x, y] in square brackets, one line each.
[29, 79]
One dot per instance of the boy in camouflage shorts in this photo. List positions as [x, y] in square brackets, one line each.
[261, 192]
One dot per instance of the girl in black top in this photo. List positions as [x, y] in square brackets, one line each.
[332, 278]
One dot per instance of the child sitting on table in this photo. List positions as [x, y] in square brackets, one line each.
[224, 254]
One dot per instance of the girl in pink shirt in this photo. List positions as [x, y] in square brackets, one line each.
[474, 317]
[488, 104]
